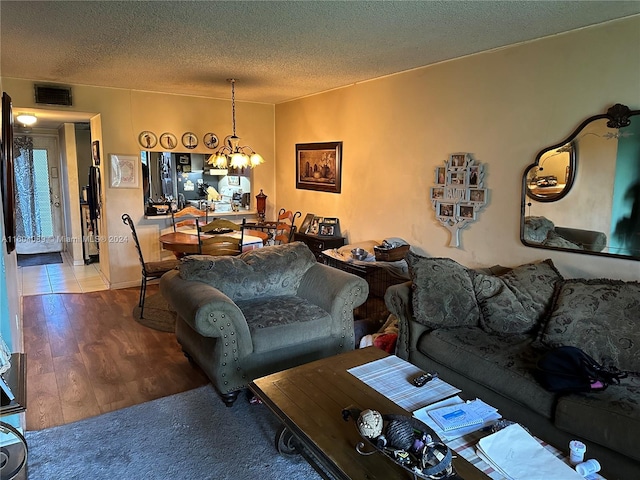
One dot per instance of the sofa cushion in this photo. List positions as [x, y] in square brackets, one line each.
[500, 363]
[610, 418]
[516, 301]
[268, 271]
[599, 317]
[283, 321]
[442, 292]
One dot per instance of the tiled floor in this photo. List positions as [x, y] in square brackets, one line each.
[61, 278]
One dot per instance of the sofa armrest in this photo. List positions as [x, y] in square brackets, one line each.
[206, 309]
[587, 239]
[398, 300]
[335, 291]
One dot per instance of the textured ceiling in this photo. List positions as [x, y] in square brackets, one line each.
[278, 51]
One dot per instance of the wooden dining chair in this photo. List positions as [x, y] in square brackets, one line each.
[216, 237]
[150, 270]
[188, 216]
[285, 227]
[258, 233]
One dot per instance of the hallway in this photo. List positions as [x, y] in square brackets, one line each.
[61, 278]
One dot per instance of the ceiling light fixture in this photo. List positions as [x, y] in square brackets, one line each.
[26, 119]
[232, 154]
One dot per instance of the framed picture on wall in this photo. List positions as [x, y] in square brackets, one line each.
[319, 166]
[124, 171]
[95, 152]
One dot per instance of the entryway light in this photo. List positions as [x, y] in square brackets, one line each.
[26, 119]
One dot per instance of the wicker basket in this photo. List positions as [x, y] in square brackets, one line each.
[390, 254]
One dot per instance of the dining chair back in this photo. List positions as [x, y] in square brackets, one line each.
[285, 227]
[218, 237]
[188, 216]
[150, 270]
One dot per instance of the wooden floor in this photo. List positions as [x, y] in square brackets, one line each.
[86, 355]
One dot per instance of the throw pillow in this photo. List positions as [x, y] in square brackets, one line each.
[601, 318]
[536, 229]
[263, 272]
[515, 302]
[442, 292]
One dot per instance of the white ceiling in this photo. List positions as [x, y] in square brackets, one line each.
[277, 51]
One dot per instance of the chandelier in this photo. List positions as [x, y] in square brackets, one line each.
[232, 154]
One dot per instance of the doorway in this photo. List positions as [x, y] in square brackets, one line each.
[39, 226]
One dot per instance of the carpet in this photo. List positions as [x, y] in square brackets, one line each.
[39, 259]
[156, 314]
[191, 435]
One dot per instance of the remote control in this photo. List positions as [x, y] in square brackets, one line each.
[423, 379]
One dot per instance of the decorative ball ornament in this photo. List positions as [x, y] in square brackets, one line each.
[370, 423]
[400, 434]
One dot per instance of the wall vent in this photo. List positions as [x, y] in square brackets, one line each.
[53, 95]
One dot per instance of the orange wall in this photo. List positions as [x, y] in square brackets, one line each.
[502, 106]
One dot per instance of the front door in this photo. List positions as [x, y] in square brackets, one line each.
[38, 203]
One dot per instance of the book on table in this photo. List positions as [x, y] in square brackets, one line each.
[456, 416]
[488, 414]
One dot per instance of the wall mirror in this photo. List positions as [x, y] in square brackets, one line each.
[583, 194]
[183, 179]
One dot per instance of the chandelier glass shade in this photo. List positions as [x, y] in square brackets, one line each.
[232, 154]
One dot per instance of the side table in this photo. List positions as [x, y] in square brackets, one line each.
[317, 244]
[379, 277]
[13, 456]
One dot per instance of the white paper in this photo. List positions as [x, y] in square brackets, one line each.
[519, 456]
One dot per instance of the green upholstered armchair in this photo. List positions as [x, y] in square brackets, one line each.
[240, 318]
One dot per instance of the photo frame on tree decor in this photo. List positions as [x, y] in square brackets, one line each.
[459, 193]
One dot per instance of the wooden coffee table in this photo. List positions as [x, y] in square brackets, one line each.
[309, 400]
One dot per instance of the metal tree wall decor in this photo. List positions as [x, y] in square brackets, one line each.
[459, 193]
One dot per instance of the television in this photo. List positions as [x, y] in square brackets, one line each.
[7, 176]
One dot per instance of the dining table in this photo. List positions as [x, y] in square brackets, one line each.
[186, 241]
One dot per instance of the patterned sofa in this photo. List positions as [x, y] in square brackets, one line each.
[240, 318]
[484, 330]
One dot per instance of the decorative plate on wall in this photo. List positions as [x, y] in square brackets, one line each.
[168, 141]
[147, 139]
[210, 140]
[189, 140]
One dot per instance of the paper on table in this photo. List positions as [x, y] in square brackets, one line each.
[391, 376]
[518, 456]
